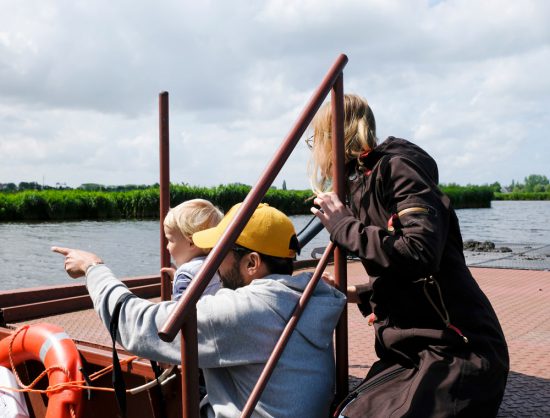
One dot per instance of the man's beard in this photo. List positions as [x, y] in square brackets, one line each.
[232, 279]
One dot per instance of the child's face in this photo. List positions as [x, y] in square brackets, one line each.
[180, 248]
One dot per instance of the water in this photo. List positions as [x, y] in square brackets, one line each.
[131, 248]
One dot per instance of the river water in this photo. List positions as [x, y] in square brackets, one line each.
[131, 248]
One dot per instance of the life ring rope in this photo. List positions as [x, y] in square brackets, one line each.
[70, 384]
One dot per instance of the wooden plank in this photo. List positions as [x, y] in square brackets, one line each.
[58, 306]
[39, 294]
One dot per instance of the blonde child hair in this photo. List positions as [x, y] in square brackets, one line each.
[359, 137]
[192, 216]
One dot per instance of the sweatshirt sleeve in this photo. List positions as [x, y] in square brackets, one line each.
[417, 241]
[140, 320]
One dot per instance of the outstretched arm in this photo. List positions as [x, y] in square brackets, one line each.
[77, 261]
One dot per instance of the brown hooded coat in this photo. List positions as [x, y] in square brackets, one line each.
[441, 348]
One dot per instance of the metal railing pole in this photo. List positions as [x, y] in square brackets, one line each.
[340, 268]
[190, 367]
[164, 157]
[287, 332]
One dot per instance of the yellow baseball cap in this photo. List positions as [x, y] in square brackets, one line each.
[269, 231]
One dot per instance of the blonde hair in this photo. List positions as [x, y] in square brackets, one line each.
[359, 137]
[192, 216]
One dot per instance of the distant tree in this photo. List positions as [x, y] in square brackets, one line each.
[534, 180]
[91, 187]
[32, 185]
[284, 184]
[496, 187]
[61, 186]
[8, 187]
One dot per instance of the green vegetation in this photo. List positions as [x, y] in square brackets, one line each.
[30, 201]
[534, 183]
[523, 196]
[57, 205]
[535, 187]
[469, 196]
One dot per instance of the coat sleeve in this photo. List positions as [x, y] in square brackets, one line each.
[416, 243]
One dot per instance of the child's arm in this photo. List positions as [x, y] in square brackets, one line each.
[181, 282]
[169, 270]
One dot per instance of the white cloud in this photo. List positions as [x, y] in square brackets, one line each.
[464, 79]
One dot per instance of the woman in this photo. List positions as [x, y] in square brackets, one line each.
[441, 349]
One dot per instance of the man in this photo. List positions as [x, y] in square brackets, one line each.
[239, 325]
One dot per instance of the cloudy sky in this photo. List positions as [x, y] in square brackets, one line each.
[467, 80]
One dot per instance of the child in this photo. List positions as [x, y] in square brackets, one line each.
[180, 224]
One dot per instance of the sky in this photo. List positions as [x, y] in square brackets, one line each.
[467, 80]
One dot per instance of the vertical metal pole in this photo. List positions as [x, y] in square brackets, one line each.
[190, 366]
[340, 270]
[164, 155]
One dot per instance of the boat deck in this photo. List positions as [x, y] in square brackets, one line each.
[521, 299]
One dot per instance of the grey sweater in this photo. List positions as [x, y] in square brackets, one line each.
[237, 330]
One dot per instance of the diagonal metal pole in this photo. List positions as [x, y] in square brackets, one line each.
[285, 336]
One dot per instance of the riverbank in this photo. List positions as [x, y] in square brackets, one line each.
[519, 256]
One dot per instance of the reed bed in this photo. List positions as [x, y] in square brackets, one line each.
[60, 205]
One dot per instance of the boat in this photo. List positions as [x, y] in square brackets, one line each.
[69, 309]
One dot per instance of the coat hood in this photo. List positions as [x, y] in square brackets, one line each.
[321, 313]
[404, 149]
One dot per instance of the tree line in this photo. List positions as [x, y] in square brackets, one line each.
[33, 185]
[533, 183]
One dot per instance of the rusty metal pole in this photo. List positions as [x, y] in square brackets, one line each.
[340, 268]
[189, 345]
[164, 156]
[190, 366]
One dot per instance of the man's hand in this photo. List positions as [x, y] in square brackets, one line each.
[331, 209]
[77, 261]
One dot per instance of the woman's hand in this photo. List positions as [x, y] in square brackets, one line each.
[77, 261]
[331, 209]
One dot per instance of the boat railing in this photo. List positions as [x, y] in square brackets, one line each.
[184, 318]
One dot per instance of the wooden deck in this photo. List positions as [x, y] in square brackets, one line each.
[521, 299]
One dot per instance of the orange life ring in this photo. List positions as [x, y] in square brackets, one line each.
[50, 345]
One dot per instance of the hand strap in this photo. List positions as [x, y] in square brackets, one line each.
[118, 379]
